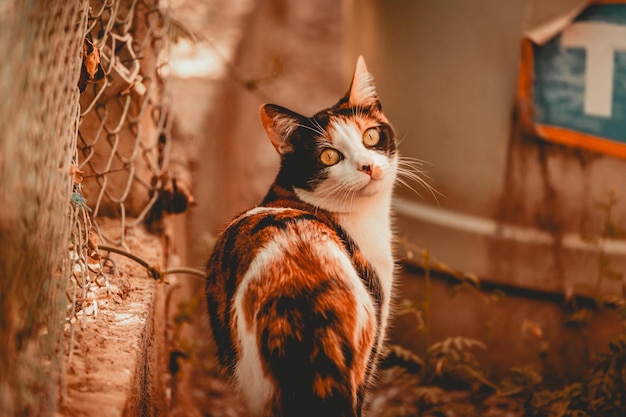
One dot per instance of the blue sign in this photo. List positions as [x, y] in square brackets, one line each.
[579, 80]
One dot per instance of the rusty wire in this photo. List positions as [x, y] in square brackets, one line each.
[122, 144]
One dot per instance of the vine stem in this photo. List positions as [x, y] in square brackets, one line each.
[186, 270]
[155, 271]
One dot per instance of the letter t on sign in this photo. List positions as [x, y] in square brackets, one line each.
[600, 41]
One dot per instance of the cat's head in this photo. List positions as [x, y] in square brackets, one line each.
[341, 157]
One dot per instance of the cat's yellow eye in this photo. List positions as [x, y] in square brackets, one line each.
[329, 157]
[371, 137]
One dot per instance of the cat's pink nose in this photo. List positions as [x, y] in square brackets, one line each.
[373, 171]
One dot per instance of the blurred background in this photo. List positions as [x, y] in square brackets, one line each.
[522, 215]
[511, 261]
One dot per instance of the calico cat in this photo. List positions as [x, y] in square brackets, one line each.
[299, 288]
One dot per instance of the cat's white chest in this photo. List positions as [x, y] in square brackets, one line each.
[372, 234]
[371, 231]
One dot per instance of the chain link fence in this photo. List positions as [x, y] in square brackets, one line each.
[123, 135]
[123, 138]
[100, 149]
[122, 151]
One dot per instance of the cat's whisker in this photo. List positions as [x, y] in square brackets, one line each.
[409, 169]
[357, 112]
[331, 191]
[402, 139]
[317, 127]
[414, 174]
[346, 194]
[413, 165]
[317, 123]
[407, 185]
[312, 129]
[412, 160]
[343, 192]
[436, 194]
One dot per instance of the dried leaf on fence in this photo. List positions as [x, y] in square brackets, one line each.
[91, 70]
[92, 245]
[78, 174]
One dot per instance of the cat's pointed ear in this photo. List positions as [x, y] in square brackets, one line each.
[362, 91]
[279, 123]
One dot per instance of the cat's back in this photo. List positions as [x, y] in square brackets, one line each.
[293, 321]
[270, 236]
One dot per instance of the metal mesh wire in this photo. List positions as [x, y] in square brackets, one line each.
[122, 145]
[123, 133]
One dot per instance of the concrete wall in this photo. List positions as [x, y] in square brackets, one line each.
[289, 54]
[514, 208]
